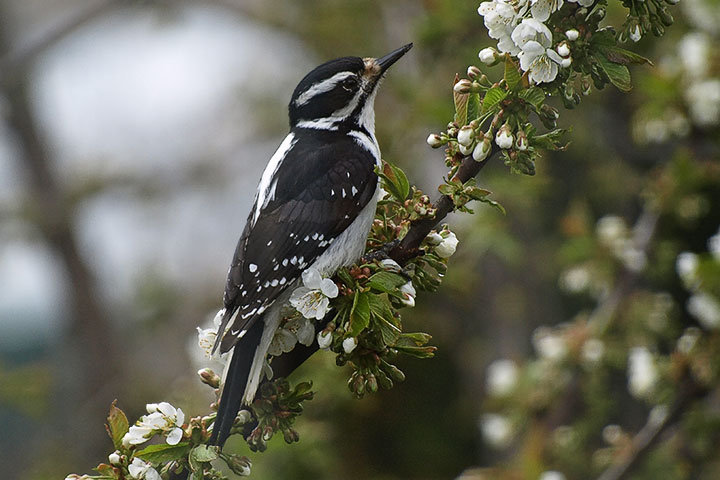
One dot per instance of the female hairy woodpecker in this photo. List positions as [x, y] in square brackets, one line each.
[313, 209]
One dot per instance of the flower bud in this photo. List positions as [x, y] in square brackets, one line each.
[390, 265]
[548, 115]
[465, 136]
[208, 377]
[349, 344]
[447, 248]
[635, 33]
[572, 35]
[238, 464]
[114, 458]
[482, 150]
[522, 142]
[504, 137]
[665, 17]
[435, 140]
[465, 150]
[488, 56]
[563, 49]
[463, 86]
[473, 72]
[408, 291]
[324, 339]
[434, 238]
[566, 62]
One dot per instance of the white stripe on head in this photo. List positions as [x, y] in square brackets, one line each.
[321, 87]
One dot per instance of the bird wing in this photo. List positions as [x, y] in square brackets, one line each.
[315, 193]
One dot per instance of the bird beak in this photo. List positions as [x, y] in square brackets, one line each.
[392, 57]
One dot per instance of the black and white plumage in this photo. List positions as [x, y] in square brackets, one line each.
[314, 207]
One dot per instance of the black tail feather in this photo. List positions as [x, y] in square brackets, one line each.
[235, 383]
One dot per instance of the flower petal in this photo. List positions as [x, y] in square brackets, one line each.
[312, 278]
[328, 288]
[174, 436]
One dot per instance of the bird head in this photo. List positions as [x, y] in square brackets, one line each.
[340, 91]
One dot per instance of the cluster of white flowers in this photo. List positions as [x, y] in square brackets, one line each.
[162, 418]
[502, 377]
[704, 306]
[549, 344]
[519, 29]
[294, 331]
[496, 430]
[142, 470]
[614, 234]
[642, 372]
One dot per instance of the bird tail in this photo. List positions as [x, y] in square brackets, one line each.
[236, 381]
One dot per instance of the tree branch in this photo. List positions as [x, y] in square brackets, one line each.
[650, 434]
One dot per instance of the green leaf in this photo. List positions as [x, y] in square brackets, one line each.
[512, 76]
[163, 452]
[385, 281]
[117, 425]
[533, 95]
[492, 99]
[359, 315]
[418, 352]
[619, 55]
[204, 453]
[382, 313]
[619, 75]
[396, 182]
[473, 107]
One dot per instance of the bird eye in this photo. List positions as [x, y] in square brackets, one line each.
[350, 84]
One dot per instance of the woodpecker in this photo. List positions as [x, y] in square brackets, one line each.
[314, 207]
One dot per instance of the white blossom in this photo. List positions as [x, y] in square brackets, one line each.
[114, 458]
[706, 309]
[408, 292]
[548, 344]
[447, 247]
[390, 265]
[531, 30]
[435, 140]
[635, 33]
[704, 101]
[487, 55]
[434, 238]
[563, 49]
[481, 150]
[686, 265]
[713, 245]
[611, 230]
[496, 429]
[502, 377]
[349, 344]
[542, 9]
[694, 53]
[541, 62]
[140, 469]
[312, 300]
[689, 338]
[504, 138]
[575, 279]
[583, 3]
[592, 350]
[612, 434]
[642, 372]
[465, 136]
[162, 418]
[551, 475]
[283, 341]
[500, 19]
[324, 339]
[572, 34]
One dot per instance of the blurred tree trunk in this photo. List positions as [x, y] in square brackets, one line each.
[89, 364]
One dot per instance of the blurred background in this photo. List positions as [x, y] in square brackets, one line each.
[132, 138]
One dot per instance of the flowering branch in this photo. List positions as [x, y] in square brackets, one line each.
[548, 48]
